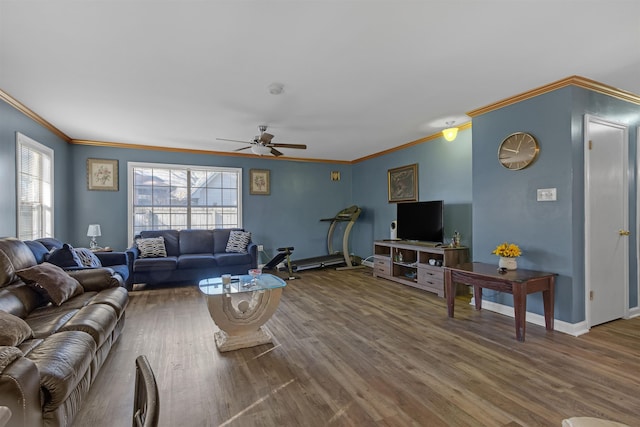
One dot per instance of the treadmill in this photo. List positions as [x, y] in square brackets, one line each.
[349, 215]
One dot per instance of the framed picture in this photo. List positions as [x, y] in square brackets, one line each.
[259, 182]
[102, 174]
[403, 184]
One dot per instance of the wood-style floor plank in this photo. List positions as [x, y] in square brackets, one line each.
[352, 350]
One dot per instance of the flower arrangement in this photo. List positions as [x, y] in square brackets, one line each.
[508, 250]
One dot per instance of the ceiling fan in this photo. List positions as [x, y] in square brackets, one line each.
[262, 144]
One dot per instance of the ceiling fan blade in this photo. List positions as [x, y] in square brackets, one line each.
[232, 140]
[265, 137]
[275, 152]
[300, 146]
[243, 148]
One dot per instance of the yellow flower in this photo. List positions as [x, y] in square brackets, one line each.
[509, 250]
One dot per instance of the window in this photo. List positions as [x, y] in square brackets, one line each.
[178, 197]
[34, 188]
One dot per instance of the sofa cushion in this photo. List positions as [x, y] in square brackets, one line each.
[87, 257]
[62, 360]
[238, 241]
[151, 247]
[196, 242]
[64, 257]
[191, 261]
[117, 298]
[155, 264]
[7, 355]
[233, 259]
[171, 239]
[97, 320]
[51, 281]
[13, 330]
[39, 250]
[48, 320]
[14, 255]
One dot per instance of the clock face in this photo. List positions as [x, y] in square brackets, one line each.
[518, 151]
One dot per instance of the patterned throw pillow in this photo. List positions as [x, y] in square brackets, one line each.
[88, 258]
[152, 247]
[238, 241]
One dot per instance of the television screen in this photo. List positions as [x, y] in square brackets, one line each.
[421, 221]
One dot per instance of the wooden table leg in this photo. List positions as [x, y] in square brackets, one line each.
[477, 296]
[548, 301]
[520, 309]
[451, 292]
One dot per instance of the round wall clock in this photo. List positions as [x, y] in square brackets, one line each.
[518, 151]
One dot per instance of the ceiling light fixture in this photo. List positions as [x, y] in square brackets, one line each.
[260, 150]
[450, 132]
[276, 88]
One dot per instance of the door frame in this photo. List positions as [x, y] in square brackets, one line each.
[588, 118]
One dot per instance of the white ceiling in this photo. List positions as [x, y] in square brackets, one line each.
[359, 77]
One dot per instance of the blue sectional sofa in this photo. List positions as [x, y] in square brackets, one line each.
[192, 255]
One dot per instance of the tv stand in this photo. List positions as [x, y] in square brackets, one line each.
[415, 263]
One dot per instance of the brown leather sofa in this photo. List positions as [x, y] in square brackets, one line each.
[55, 334]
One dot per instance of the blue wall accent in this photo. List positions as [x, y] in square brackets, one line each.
[444, 173]
[301, 194]
[11, 122]
[551, 234]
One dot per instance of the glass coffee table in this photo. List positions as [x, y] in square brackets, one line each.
[242, 308]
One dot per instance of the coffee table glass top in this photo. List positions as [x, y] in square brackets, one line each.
[240, 284]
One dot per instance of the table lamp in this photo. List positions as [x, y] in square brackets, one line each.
[93, 232]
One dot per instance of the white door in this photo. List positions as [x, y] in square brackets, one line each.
[606, 221]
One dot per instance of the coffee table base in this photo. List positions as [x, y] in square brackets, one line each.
[226, 342]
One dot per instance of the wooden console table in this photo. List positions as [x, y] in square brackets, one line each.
[519, 283]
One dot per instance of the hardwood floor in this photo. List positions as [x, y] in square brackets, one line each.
[352, 350]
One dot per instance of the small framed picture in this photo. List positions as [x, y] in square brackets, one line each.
[403, 183]
[102, 174]
[259, 182]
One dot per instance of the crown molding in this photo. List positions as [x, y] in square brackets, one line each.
[436, 135]
[4, 96]
[194, 151]
[577, 81]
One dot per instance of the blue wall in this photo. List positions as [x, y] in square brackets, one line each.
[551, 234]
[444, 173]
[12, 121]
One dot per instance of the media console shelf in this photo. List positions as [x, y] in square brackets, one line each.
[408, 262]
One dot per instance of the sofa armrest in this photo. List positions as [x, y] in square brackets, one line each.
[97, 279]
[20, 392]
[112, 258]
[252, 249]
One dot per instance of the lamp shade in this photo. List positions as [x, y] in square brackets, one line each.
[450, 133]
[94, 230]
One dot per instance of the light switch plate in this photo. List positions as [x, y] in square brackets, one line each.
[547, 195]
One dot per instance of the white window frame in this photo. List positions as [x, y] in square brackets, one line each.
[45, 187]
[130, 185]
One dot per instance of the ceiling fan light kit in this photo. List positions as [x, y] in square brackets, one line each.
[450, 133]
[262, 145]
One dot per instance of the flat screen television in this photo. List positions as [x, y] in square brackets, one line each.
[421, 221]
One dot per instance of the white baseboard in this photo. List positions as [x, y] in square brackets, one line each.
[634, 312]
[575, 329]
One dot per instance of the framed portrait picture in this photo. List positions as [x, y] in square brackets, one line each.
[259, 182]
[403, 184]
[102, 174]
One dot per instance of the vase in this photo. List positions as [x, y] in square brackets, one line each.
[508, 263]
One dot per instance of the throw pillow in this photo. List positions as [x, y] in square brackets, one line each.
[87, 258]
[238, 241]
[51, 281]
[8, 355]
[151, 247]
[64, 257]
[13, 330]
